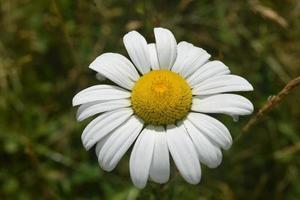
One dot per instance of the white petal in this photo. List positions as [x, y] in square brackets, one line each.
[230, 104]
[153, 56]
[196, 58]
[208, 153]
[211, 128]
[141, 157]
[160, 166]
[116, 68]
[183, 49]
[138, 51]
[221, 84]
[100, 144]
[119, 142]
[99, 93]
[189, 59]
[210, 69]
[183, 153]
[166, 47]
[89, 109]
[104, 124]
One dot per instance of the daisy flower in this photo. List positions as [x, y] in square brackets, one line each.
[160, 105]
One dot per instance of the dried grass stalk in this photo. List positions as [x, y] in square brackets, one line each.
[272, 102]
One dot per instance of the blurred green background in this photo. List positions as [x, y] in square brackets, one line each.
[46, 47]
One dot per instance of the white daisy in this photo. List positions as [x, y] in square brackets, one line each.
[161, 105]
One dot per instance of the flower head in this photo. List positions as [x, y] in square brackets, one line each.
[160, 103]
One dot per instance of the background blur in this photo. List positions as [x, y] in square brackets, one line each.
[46, 47]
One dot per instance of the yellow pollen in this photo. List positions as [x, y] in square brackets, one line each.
[161, 97]
[160, 88]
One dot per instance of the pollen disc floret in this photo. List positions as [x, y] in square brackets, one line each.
[161, 97]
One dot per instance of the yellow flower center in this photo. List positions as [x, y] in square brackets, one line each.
[161, 97]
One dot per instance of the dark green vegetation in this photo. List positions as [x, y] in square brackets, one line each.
[45, 49]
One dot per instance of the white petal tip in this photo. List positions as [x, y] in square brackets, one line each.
[106, 167]
[92, 66]
[212, 166]
[161, 29]
[228, 145]
[250, 108]
[80, 118]
[160, 180]
[88, 144]
[129, 34]
[139, 185]
[74, 101]
[194, 180]
[250, 87]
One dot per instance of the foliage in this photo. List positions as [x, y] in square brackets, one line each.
[46, 46]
